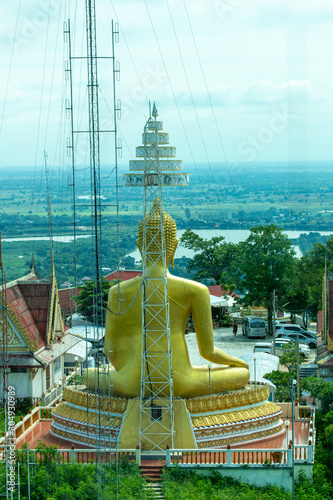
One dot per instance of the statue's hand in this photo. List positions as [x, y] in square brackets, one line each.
[239, 362]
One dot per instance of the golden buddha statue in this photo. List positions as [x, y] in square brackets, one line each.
[123, 332]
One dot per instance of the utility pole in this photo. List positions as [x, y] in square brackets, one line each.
[297, 367]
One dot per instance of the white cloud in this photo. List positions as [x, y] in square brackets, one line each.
[271, 93]
[219, 96]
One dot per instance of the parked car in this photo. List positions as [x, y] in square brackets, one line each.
[263, 347]
[311, 342]
[279, 343]
[266, 325]
[285, 329]
[253, 327]
[303, 348]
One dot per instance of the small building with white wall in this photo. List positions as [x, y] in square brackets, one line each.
[33, 330]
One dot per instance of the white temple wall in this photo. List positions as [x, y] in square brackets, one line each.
[37, 384]
[22, 384]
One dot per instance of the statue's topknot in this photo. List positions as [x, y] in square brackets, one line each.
[153, 240]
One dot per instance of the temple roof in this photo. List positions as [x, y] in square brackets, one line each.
[219, 292]
[124, 275]
[34, 316]
[67, 301]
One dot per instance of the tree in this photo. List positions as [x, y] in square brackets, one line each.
[187, 213]
[281, 380]
[267, 258]
[296, 297]
[87, 300]
[213, 258]
[312, 272]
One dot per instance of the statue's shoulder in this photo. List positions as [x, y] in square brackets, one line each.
[187, 285]
[129, 285]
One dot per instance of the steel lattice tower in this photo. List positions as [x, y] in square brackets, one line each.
[154, 171]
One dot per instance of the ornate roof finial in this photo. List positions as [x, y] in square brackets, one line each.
[33, 267]
[33, 264]
[154, 113]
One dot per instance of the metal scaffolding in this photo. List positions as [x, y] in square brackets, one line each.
[102, 438]
[156, 397]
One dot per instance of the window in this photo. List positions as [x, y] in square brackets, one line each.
[18, 369]
[257, 324]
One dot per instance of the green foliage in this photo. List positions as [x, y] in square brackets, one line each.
[213, 259]
[282, 382]
[52, 479]
[22, 407]
[89, 294]
[267, 256]
[312, 272]
[289, 357]
[178, 483]
[306, 241]
[296, 295]
[320, 389]
[226, 320]
[75, 380]
[319, 488]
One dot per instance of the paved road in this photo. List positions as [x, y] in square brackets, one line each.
[235, 345]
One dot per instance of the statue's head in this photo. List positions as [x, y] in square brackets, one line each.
[153, 240]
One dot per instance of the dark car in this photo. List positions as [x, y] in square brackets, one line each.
[285, 329]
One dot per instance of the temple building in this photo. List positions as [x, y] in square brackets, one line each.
[37, 341]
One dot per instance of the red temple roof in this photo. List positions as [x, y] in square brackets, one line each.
[123, 275]
[219, 292]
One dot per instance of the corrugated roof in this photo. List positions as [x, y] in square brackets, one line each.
[37, 296]
[55, 350]
[20, 308]
[219, 292]
[66, 301]
[123, 275]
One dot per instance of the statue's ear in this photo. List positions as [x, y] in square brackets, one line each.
[140, 250]
[173, 253]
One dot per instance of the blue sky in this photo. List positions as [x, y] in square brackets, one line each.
[233, 80]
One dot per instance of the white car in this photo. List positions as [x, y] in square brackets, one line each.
[303, 348]
[279, 343]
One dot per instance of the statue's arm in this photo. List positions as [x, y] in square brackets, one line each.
[202, 317]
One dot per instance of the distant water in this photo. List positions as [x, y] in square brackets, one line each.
[230, 235]
[60, 239]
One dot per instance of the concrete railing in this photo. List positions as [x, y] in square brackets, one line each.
[27, 423]
[104, 455]
[233, 458]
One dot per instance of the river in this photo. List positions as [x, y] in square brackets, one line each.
[59, 239]
[230, 235]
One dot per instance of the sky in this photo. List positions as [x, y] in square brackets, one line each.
[234, 81]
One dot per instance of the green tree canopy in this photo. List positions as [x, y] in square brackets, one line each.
[90, 296]
[296, 295]
[267, 258]
[213, 260]
[312, 272]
